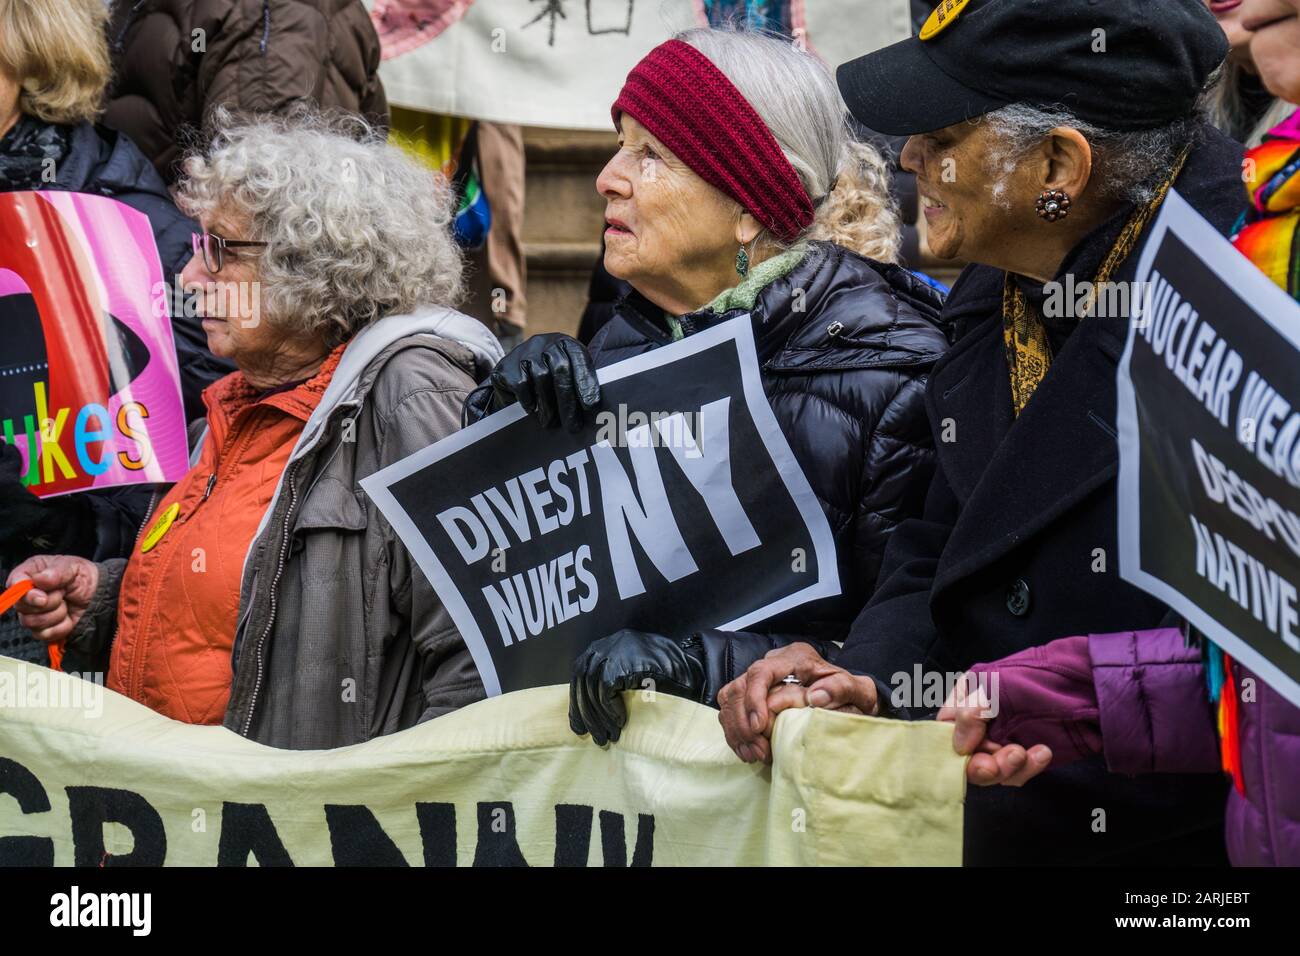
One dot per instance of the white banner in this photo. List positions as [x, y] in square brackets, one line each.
[90, 778]
[562, 62]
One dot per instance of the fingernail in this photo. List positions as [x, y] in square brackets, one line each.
[745, 753]
[819, 698]
[754, 723]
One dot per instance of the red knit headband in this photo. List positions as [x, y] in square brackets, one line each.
[692, 108]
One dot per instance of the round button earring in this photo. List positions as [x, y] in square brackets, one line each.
[1053, 204]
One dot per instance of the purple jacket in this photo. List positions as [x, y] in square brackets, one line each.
[1139, 698]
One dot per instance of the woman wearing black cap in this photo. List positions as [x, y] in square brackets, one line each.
[1044, 137]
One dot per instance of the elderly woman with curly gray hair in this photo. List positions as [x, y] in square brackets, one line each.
[266, 592]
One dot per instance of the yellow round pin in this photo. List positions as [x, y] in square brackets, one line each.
[160, 528]
[941, 17]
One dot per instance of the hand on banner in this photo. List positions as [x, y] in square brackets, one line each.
[63, 588]
[749, 705]
[990, 763]
[628, 660]
[551, 376]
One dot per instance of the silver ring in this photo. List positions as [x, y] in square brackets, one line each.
[790, 679]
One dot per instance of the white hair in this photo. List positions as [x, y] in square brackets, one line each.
[795, 96]
[355, 228]
[1127, 165]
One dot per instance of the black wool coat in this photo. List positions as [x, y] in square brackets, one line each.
[1017, 546]
[845, 378]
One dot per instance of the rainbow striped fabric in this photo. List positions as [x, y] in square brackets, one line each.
[1266, 233]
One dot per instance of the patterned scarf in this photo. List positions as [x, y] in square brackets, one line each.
[1266, 232]
[1029, 351]
[1266, 235]
[28, 151]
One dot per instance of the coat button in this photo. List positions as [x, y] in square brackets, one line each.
[1018, 598]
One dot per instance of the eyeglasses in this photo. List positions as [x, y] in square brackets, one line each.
[214, 248]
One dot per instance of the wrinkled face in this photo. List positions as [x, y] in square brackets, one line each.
[968, 205]
[229, 301]
[1228, 13]
[664, 222]
[1275, 44]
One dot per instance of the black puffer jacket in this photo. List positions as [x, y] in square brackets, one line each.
[846, 379]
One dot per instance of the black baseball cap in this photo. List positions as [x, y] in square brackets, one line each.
[1120, 64]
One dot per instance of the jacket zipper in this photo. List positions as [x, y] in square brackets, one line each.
[154, 498]
[138, 671]
[126, 25]
[291, 478]
[229, 447]
[266, 27]
[275, 583]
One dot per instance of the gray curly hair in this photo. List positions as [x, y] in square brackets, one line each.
[355, 228]
[1127, 165]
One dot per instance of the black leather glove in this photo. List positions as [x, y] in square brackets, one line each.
[696, 668]
[622, 662]
[551, 375]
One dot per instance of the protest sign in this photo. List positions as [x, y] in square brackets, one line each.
[562, 62]
[91, 778]
[1209, 438]
[678, 507]
[89, 381]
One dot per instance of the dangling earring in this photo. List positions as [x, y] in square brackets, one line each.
[1053, 204]
[742, 261]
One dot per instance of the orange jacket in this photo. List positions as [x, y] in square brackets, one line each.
[179, 602]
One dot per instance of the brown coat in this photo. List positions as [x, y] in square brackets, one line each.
[177, 60]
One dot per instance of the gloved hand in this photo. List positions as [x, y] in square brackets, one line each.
[621, 662]
[551, 375]
[696, 668]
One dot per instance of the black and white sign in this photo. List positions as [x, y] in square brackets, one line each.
[679, 507]
[1209, 437]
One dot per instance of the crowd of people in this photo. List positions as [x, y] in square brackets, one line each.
[961, 443]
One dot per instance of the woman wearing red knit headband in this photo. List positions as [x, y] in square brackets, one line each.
[728, 145]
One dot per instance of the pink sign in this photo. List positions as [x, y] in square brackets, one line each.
[405, 25]
[89, 381]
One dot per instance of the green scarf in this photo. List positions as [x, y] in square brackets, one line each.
[744, 294]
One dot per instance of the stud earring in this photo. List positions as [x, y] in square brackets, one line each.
[742, 261]
[1053, 204]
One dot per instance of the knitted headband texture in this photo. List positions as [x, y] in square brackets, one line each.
[691, 107]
